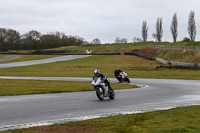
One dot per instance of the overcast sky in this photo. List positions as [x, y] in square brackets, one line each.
[103, 19]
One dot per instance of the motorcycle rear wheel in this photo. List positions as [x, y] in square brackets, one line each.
[112, 94]
[128, 80]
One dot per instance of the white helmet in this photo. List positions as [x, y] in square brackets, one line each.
[96, 72]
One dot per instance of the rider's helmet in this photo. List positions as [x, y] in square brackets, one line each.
[96, 72]
[117, 69]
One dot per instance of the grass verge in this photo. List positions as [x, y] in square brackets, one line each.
[135, 67]
[184, 119]
[24, 87]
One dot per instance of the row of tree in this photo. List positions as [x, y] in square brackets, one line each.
[34, 40]
[174, 28]
[159, 30]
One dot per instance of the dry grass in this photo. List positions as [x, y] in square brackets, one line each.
[190, 56]
[64, 128]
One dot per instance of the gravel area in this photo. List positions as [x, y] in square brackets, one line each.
[10, 57]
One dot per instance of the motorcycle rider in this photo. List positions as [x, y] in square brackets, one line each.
[117, 72]
[103, 77]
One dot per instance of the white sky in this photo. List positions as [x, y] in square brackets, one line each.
[103, 19]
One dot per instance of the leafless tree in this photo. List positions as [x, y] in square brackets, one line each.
[174, 27]
[192, 27]
[124, 40]
[136, 39]
[117, 40]
[144, 31]
[96, 41]
[159, 30]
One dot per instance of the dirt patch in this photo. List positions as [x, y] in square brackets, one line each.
[10, 57]
[197, 60]
[64, 128]
[150, 52]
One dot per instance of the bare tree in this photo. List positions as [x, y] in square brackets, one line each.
[124, 40]
[155, 36]
[96, 41]
[159, 30]
[144, 31]
[192, 27]
[117, 40]
[136, 39]
[174, 27]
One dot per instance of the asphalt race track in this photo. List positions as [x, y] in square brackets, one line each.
[44, 109]
[42, 61]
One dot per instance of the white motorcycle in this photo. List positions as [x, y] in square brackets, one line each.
[102, 89]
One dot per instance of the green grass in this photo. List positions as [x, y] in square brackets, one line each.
[27, 58]
[1, 56]
[185, 119]
[174, 120]
[25, 87]
[110, 48]
[185, 44]
[135, 67]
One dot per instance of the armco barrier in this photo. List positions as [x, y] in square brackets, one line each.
[175, 63]
[162, 61]
[139, 55]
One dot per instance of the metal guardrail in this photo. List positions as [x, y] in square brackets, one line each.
[140, 55]
[179, 47]
[162, 61]
[175, 63]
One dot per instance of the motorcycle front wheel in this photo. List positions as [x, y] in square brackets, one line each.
[100, 93]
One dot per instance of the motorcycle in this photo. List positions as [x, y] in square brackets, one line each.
[102, 89]
[123, 77]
